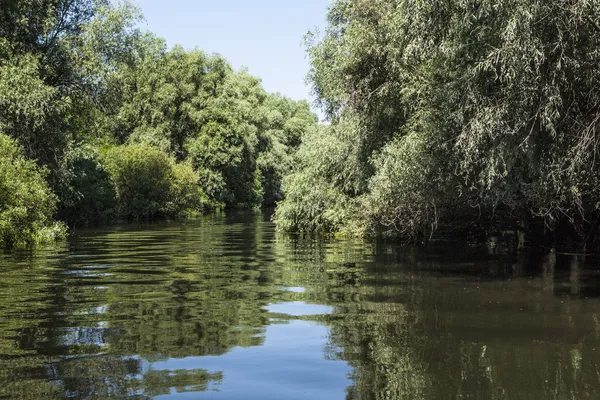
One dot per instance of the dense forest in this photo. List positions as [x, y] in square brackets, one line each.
[100, 122]
[457, 119]
[453, 119]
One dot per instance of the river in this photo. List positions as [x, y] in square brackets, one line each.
[223, 307]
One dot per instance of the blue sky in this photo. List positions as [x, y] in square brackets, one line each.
[263, 35]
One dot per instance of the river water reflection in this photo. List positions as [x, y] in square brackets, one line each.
[224, 308]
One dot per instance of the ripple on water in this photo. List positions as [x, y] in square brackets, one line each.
[294, 289]
[213, 309]
[299, 309]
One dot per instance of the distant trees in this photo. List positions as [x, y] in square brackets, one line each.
[454, 116]
[238, 137]
[129, 129]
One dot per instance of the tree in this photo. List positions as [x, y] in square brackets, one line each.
[500, 97]
[27, 204]
[84, 93]
[197, 108]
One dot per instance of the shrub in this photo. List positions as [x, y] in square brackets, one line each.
[27, 204]
[405, 194]
[187, 197]
[225, 156]
[311, 205]
[149, 183]
[87, 195]
[320, 196]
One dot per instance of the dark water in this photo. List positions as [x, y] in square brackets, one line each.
[224, 308]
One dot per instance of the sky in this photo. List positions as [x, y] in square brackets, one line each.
[265, 36]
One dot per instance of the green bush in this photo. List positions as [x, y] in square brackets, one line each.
[186, 196]
[311, 205]
[27, 204]
[320, 194]
[148, 183]
[405, 195]
[86, 193]
[225, 156]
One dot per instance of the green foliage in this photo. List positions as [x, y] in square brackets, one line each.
[87, 194]
[30, 110]
[317, 197]
[196, 107]
[405, 192]
[311, 205]
[186, 195]
[141, 177]
[56, 61]
[27, 204]
[461, 106]
[148, 182]
[129, 129]
[285, 125]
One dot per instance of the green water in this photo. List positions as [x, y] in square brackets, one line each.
[225, 308]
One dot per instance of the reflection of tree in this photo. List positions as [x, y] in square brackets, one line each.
[414, 324]
[368, 326]
[108, 376]
[425, 331]
[419, 325]
[169, 291]
[102, 376]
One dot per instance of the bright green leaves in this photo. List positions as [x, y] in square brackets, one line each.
[142, 177]
[223, 122]
[27, 204]
[148, 183]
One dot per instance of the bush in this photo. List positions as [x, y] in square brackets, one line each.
[27, 204]
[320, 196]
[187, 197]
[87, 195]
[225, 156]
[149, 183]
[311, 205]
[405, 194]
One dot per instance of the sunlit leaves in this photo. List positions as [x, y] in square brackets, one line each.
[502, 94]
[27, 204]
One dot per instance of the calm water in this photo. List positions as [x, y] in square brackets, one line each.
[224, 308]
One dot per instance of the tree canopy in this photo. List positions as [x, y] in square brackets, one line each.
[127, 128]
[462, 115]
[447, 119]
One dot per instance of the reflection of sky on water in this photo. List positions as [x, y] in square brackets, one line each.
[299, 308]
[294, 289]
[90, 270]
[84, 336]
[227, 310]
[290, 361]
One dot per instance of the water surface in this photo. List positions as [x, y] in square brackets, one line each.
[225, 308]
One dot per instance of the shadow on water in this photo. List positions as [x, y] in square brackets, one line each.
[223, 307]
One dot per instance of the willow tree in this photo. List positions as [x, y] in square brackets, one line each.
[465, 108]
